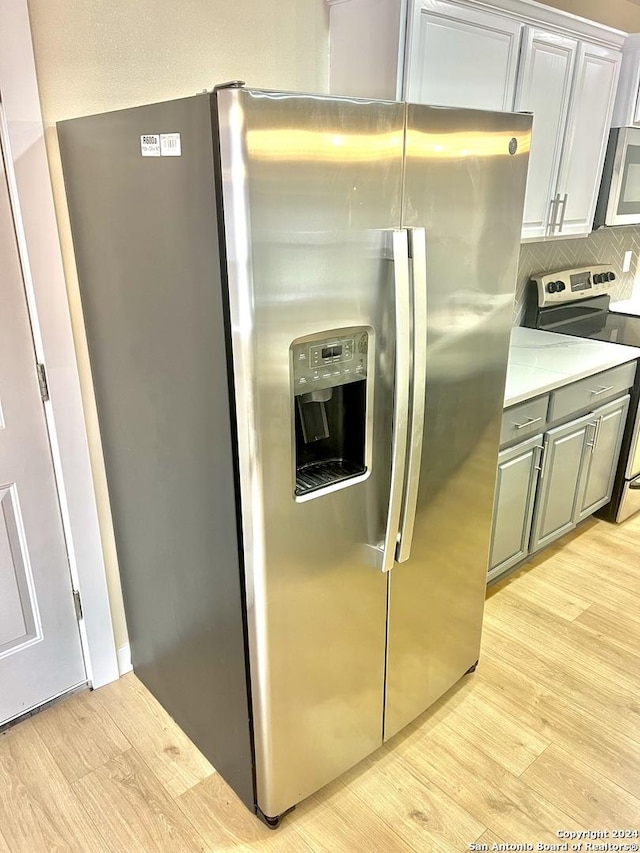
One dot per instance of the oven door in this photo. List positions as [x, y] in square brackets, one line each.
[633, 459]
[623, 207]
[629, 500]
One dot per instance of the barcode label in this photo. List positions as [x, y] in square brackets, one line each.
[170, 145]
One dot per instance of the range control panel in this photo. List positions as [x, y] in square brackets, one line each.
[336, 359]
[571, 285]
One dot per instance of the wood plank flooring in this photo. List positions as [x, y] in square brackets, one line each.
[545, 736]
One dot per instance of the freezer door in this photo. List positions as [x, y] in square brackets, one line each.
[464, 184]
[311, 188]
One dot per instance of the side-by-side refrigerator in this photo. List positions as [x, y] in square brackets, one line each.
[298, 311]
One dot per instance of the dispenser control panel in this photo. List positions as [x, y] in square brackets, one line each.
[331, 353]
[336, 359]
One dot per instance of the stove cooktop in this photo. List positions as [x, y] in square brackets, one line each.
[577, 302]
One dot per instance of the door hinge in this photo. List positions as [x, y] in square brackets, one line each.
[77, 603]
[42, 381]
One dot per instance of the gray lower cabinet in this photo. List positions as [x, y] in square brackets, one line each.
[552, 477]
[607, 426]
[578, 470]
[515, 492]
[559, 480]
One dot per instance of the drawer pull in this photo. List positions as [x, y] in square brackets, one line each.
[528, 422]
[603, 390]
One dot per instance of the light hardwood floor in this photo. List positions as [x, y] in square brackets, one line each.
[545, 736]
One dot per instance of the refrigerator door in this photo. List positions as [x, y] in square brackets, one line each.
[464, 184]
[311, 190]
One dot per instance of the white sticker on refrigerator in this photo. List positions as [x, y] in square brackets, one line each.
[150, 145]
[170, 145]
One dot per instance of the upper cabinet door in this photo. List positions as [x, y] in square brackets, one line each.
[626, 112]
[544, 89]
[594, 90]
[460, 56]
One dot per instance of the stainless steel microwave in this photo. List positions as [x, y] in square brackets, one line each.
[619, 199]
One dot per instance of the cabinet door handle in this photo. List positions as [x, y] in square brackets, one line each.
[542, 460]
[602, 390]
[594, 435]
[538, 465]
[553, 213]
[564, 210]
[528, 422]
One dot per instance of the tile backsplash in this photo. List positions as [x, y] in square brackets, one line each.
[605, 246]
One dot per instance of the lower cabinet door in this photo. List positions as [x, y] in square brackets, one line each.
[603, 448]
[560, 479]
[513, 508]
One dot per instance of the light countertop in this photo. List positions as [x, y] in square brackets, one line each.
[542, 361]
[626, 306]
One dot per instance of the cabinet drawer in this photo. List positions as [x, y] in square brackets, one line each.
[523, 420]
[591, 392]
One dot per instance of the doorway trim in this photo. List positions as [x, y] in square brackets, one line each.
[40, 255]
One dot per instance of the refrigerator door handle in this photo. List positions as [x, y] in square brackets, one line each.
[418, 261]
[400, 246]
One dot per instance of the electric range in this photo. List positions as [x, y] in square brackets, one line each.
[578, 302]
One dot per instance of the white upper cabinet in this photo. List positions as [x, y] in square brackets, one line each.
[570, 87]
[586, 136]
[500, 55]
[449, 45]
[627, 108]
[544, 89]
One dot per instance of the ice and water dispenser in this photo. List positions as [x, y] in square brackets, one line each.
[330, 408]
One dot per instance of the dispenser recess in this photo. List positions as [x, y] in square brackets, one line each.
[329, 408]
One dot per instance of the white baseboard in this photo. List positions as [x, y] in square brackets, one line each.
[124, 659]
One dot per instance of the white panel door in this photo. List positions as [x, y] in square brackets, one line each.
[544, 88]
[592, 100]
[40, 652]
[461, 57]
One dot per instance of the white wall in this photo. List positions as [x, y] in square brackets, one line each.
[98, 55]
[622, 14]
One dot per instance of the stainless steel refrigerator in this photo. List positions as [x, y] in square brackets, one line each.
[298, 312]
